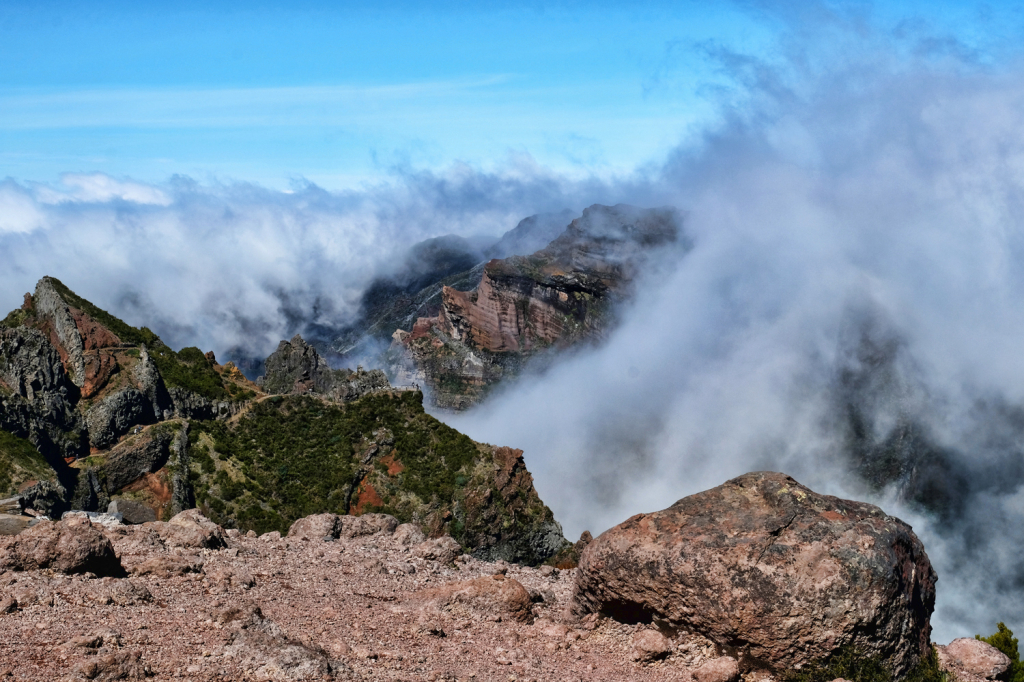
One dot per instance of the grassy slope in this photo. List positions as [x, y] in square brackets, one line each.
[20, 462]
[294, 456]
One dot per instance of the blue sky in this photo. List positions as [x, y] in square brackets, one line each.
[340, 94]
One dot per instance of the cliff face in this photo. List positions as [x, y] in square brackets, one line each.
[94, 411]
[100, 402]
[523, 305]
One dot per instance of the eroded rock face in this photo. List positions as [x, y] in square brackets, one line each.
[114, 415]
[50, 306]
[29, 365]
[556, 297]
[137, 456]
[296, 368]
[69, 546]
[36, 395]
[146, 401]
[542, 539]
[769, 570]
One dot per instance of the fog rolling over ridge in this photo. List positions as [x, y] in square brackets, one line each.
[851, 311]
[854, 301]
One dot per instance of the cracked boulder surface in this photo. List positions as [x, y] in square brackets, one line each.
[771, 572]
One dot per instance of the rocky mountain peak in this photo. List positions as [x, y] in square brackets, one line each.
[556, 297]
[297, 367]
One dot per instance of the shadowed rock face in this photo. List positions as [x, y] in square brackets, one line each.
[297, 368]
[770, 571]
[524, 305]
[37, 401]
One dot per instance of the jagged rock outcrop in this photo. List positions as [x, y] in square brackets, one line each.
[51, 308]
[189, 405]
[543, 538]
[156, 456]
[146, 378]
[115, 415]
[297, 368]
[29, 366]
[146, 401]
[35, 395]
[557, 297]
[770, 571]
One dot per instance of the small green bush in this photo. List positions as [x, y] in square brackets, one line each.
[188, 369]
[1004, 640]
[850, 664]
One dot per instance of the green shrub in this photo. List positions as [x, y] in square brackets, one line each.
[850, 664]
[19, 462]
[297, 456]
[188, 369]
[1004, 640]
[15, 318]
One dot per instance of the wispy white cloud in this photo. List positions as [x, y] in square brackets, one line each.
[226, 265]
[99, 188]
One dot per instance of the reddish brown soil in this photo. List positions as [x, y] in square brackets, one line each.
[367, 497]
[156, 491]
[394, 466]
[354, 599]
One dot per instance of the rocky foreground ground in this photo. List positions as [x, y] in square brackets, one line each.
[364, 598]
[382, 606]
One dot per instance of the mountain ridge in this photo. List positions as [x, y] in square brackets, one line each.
[119, 417]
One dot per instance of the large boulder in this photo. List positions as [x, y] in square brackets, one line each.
[770, 571]
[190, 529]
[366, 524]
[315, 527]
[320, 526]
[72, 545]
[493, 595]
[972, 660]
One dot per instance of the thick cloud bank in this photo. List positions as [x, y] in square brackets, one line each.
[240, 266]
[858, 248]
